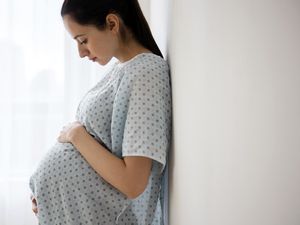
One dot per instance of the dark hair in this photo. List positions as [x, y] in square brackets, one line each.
[94, 12]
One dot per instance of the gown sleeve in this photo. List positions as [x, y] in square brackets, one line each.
[147, 127]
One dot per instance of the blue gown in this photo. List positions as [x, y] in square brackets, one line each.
[129, 113]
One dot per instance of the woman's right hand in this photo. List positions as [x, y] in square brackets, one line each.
[34, 204]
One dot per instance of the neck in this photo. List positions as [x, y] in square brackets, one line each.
[130, 50]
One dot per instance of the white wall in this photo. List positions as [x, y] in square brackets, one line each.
[236, 105]
[146, 7]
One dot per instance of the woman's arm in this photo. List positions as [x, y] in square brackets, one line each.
[129, 175]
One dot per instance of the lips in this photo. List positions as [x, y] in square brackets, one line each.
[93, 59]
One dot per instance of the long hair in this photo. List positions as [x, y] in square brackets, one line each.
[94, 12]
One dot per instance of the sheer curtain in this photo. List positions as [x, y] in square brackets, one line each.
[42, 79]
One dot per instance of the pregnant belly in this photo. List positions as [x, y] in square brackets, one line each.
[66, 186]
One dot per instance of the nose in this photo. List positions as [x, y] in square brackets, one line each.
[83, 52]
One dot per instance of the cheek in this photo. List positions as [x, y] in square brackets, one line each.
[110, 43]
[105, 49]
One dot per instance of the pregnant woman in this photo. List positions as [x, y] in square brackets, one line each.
[106, 166]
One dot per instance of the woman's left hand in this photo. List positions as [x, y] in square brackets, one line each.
[70, 131]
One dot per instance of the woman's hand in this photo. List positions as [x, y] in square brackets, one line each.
[34, 204]
[70, 131]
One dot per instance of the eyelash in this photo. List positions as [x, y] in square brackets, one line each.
[83, 42]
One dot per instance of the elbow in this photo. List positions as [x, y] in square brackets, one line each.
[135, 192]
[137, 176]
[133, 195]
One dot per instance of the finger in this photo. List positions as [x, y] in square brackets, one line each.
[33, 201]
[61, 139]
[35, 210]
[34, 207]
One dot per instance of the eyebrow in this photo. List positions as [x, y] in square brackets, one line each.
[77, 36]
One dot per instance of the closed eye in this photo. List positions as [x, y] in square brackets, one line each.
[83, 42]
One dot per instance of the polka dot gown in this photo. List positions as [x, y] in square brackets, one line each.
[129, 113]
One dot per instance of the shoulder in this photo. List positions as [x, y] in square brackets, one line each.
[146, 65]
[147, 61]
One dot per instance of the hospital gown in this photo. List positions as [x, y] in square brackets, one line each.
[129, 113]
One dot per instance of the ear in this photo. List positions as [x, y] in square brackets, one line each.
[113, 23]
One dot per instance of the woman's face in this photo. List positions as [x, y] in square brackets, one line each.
[99, 46]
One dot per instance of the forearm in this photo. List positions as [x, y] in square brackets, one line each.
[106, 164]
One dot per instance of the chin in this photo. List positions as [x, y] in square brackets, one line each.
[103, 63]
